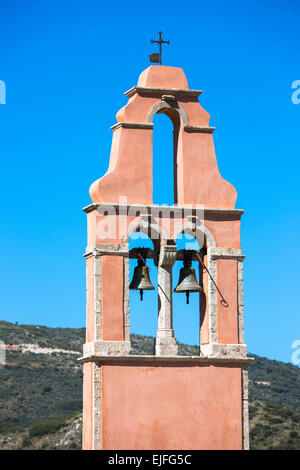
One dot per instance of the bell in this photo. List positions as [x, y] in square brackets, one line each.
[187, 278]
[141, 279]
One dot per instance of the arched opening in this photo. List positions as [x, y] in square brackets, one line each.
[165, 143]
[186, 317]
[143, 314]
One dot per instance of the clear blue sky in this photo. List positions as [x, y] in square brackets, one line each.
[66, 65]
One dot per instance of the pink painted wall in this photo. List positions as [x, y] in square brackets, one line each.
[227, 316]
[90, 299]
[171, 407]
[166, 406]
[112, 298]
[225, 229]
[130, 169]
[173, 77]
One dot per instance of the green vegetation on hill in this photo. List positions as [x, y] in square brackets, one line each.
[273, 427]
[283, 382]
[40, 393]
[60, 338]
[37, 387]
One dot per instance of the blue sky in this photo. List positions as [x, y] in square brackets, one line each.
[66, 65]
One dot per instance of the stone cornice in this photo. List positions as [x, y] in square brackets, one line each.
[153, 208]
[132, 125]
[200, 130]
[226, 253]
[148, 125]
[147, 91]
[165, 359]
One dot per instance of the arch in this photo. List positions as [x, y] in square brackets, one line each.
[171, 109]
[143, 320]
[186, 317]
[148, 226]
[196, 231]
[164, 159]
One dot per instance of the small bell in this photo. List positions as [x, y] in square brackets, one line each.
[141, 279]
[187, 278]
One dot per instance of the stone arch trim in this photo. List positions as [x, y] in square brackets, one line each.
[168, 105]
[196, 231]
[146, 224]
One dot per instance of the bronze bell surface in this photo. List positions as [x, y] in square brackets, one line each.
[141, 279]
[187, 278]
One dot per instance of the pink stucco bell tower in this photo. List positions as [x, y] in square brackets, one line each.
[164, 401]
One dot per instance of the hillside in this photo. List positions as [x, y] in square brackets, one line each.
[41, 391]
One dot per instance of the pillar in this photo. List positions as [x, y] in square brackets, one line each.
[165, 342]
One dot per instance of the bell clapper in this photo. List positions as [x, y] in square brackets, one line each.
[141, 294]
[187, 297]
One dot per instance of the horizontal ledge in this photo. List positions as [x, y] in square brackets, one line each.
[146, 125]
[228, 256]
[132, 125]
[155, 208]
[164, 359]
[200, 130]
[101, 250]
[149, 91]
[226, 253]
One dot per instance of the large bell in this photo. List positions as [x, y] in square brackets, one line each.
[141, 279]
[187, 278]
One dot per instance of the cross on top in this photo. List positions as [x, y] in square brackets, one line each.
[158, 57]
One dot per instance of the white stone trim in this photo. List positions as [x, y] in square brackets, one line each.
[212, 299]
[226, 253]
[97, 297]
[165, 359]
[126, 299]
[96, 407]
[197, 230]
[86, 296]
[245, 408]
[223, 350]
[166, 105]
[165, 343]
[216, 253]
[149, 227]
[106, 249]
[106, 348]
[240, 301]
[167, 256]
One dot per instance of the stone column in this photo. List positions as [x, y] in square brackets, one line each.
[226, 325]
[165, 341]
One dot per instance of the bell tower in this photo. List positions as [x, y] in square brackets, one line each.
[164, 401]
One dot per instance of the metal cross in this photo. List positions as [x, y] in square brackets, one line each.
[160, 42]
